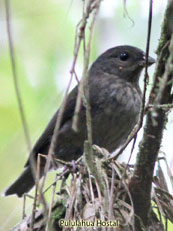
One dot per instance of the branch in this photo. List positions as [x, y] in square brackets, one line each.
[141, 182]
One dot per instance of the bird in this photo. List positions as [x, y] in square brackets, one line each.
[115, 100]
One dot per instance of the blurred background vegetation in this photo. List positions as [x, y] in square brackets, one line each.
[43, 35]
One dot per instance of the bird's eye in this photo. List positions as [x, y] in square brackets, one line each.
[124, 56]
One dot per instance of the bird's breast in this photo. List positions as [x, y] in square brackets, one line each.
[117, 114]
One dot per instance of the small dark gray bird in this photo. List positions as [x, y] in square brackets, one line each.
[115, 99]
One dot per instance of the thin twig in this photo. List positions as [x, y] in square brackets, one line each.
[17, 90]
[165, 107]
[24, 206]
[62, 162]
[142, 111]
[62, 175]
[146, 63]
[36, 194]
[132, 149]
[55, 135]
[126, 13]
[51, 206]
[81, 35]
[69, 210]
[15, 77]
[111, 196]
[85, 75]
[123, 182]
[56, 179]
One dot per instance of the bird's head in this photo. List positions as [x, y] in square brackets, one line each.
[125, 61]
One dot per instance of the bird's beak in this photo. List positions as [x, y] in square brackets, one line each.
[150, 61]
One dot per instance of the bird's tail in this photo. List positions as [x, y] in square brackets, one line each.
[22, 185]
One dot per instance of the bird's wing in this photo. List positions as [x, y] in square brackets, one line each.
[42, 144]
[98, 99]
